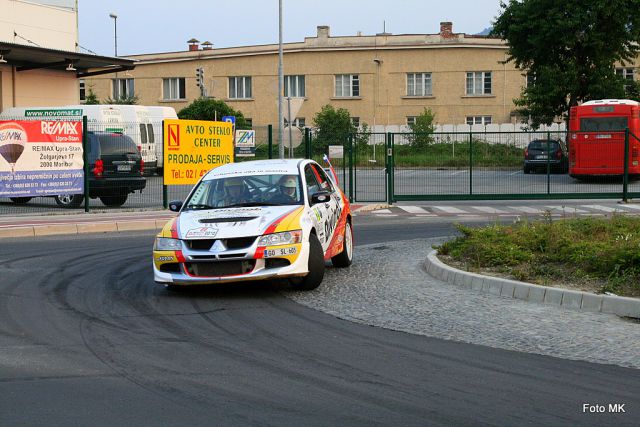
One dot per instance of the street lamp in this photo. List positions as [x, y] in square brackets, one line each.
[115, 31]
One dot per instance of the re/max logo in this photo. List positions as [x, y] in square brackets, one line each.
[173, 137]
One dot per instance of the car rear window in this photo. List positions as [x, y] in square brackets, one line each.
[116, 144]
[542, 145]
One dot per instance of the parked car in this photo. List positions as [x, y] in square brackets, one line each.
[542, 152]
[256, 220]
[116, 170]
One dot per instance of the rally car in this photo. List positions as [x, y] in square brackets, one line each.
[256, 220]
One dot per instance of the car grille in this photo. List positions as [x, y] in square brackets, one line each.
[220, 268]
[205, 244]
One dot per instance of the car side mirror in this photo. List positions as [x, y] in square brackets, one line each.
[175, 205]
[320, 197]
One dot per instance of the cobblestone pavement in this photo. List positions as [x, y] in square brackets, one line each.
[387, 287]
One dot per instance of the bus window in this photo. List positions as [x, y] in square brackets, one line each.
[603, 124]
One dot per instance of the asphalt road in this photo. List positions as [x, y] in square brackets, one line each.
[86, 338]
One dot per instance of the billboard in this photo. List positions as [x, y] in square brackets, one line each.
[40, 158]
[194, 147]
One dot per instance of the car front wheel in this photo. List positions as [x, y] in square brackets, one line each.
[316, 267]
[69, 200]
[344, 258]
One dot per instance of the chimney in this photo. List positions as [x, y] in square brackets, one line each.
[323, 31]
[193, 44]
[207, 45]
[446, 30]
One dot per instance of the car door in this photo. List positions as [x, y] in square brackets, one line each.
[318, 212]
[327, 213]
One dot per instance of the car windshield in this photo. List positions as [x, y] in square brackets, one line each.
[245, 191]
[542, 145]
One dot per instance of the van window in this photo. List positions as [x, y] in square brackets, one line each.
[143, 133]
[150, 134]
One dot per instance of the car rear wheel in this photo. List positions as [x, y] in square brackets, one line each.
[344, 258]
[116, 200]
[20, 200]
[69, 200]
[316, 267]
[527, 170]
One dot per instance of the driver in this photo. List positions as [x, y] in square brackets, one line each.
[287, 189]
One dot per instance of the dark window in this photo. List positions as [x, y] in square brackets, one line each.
[116, 144]
[603, 124]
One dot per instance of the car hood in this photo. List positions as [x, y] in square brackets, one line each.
[231, 222]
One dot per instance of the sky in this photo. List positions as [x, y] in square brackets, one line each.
[151, 26]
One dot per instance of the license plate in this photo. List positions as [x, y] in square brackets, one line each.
[123, 168]
[542, 157]
[269, 253]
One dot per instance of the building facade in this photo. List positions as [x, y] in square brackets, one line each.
[382, 80]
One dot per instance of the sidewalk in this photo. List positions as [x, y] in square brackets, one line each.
[78, 223]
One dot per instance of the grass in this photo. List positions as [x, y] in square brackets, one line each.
[596, 254]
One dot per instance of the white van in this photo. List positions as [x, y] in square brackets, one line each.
[156, 116]
[132, 120]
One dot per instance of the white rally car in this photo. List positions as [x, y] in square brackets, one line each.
[256, 220]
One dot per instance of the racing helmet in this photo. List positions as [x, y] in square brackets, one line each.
[288, 185]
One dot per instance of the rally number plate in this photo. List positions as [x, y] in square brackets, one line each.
[269, 253]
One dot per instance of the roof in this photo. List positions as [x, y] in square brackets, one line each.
[26, 58]
[612, 102]
[257, 167]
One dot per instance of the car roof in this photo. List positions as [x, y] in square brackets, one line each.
[257, 167]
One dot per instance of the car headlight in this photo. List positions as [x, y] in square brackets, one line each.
[284, 238]
[167, 244]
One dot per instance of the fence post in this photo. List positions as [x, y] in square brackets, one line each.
[270, 140]
[548, 163]
[389, 168]
[165, 193]
[470, 162]
[625, 176]
[350, 150]
[85, 160]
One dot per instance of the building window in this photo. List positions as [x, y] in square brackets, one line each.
[83, 94]
[173, 88]
[298, 122]
[294, 86]
[479, 120]
[347, 85]
[240, 87]
[530, 79]
[249, 121]
[625, 73]
[419, 84]
[355, 121]
[122, 88]
[411, 120]
[479, 83]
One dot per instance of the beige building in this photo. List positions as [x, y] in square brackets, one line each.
[383, 80]
[39, 60]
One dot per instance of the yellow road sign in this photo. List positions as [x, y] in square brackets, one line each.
[194, 147]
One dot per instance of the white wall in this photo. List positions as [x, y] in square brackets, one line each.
[50, 27]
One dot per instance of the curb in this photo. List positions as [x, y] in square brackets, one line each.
[577, 300]
[373, 207]
[81, 228]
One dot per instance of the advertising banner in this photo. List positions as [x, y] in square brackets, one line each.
[194, 147]
[245, 143]
[40, 158]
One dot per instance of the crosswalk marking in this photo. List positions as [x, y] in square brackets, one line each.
[488, 209]
[601, 208]
[414, 209]
[566, 209]
[450, 209]
[526, 209]
[382, 211]
[628, 206]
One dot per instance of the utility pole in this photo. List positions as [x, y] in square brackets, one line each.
[280, 82]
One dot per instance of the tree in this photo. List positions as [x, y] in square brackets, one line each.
[422, 129]
[91, 98]
[569, 48]
[212, 109]
[333, 128]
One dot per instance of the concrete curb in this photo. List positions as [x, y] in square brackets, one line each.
[81, 228]
[577, 300]
[373, 207]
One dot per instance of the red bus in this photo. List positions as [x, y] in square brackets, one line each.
[597, 133]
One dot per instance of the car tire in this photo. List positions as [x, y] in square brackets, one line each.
[69, 200]
[345, 258]
[316, 267]
[20, 200]
[115, 200]
[527, 171]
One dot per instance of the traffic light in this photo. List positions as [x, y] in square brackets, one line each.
[199, 76]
